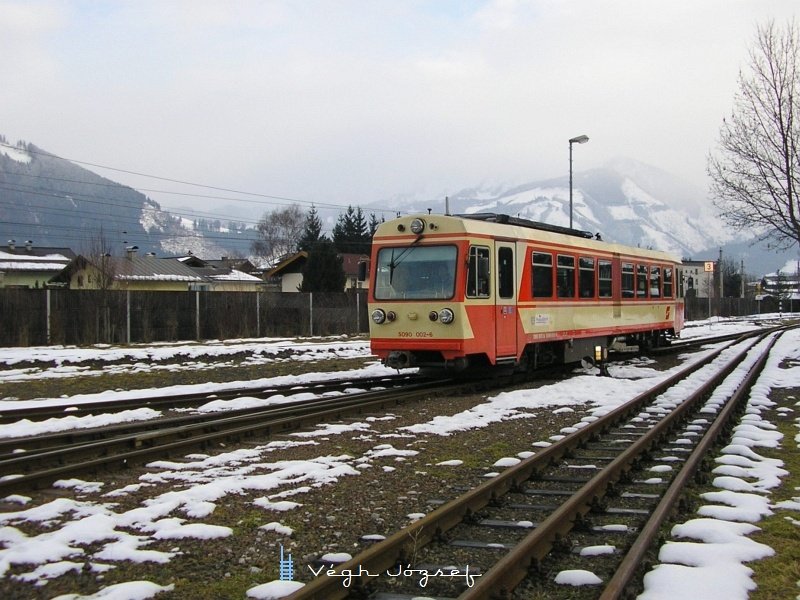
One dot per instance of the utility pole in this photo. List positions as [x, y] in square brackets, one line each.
[741, 271]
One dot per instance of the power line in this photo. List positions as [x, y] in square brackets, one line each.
[182, 182]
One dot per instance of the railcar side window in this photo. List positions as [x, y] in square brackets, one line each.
[627, 280]
[604, 278]
[667, 282]
[586, 277]
[641, 281]
[566, 276]
[542, 281]
[655, 282]
[478, 272]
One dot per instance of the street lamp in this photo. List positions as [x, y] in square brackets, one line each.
[581, 139]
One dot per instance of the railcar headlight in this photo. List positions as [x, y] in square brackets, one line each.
[433, 315]
[446, 316]
[417, 226]
[378, 316]
[391, 316]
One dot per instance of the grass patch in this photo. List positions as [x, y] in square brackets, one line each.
[233, 586]
[777, 576]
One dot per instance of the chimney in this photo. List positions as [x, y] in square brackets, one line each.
[131, 250]
[12, 244]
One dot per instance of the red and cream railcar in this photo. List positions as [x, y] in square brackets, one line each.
[486, 289]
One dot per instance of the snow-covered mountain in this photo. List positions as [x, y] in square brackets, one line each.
[54, 202]
[625, 201]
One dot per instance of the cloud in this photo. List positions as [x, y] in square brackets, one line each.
[354, 101]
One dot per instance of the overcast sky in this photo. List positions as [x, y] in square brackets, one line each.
[351, 102]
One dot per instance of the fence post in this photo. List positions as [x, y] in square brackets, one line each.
[197, 314]
[358, 313]
[258, 314]
[310, 314]
[128, 317]
[49, 315]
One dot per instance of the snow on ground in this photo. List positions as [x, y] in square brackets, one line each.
[93, 534]
[706, 556]
[190, 355]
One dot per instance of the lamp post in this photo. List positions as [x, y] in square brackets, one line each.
[581, 139]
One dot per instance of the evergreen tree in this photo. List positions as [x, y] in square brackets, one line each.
[373, 224]
[323, 271]
[312, 233]
[351, 234]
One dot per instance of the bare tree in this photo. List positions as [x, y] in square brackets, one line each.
[280, 232]
[103, 266]
[755, 176]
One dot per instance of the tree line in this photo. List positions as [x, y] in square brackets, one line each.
[286, 231]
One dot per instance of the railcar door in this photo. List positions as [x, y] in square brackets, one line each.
[505, 302]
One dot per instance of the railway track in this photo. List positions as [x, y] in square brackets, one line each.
[280, 395]
[193, 400]
[33, 412]
[27, 463]
[602, 492]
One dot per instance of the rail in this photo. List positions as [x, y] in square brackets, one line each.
[527, 554]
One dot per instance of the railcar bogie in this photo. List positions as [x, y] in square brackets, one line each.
[470, 291]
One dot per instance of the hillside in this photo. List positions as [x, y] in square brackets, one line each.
[54, 202]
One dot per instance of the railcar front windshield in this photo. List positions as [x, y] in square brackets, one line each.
[418, 272]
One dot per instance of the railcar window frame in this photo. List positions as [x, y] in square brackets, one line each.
[628, 280]
[605, 281]
[586, 277]
[424, 272]
[505, 272]
[565, 276]
[668, 287]
[542, 274]
[642, 281]
[478, 283]
[655, 281]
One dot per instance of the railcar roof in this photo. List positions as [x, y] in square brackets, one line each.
[506, 227]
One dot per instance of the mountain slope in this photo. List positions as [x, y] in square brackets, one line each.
[54, 202]
[625, 201]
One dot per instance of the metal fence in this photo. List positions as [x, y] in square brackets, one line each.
[30, 317]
